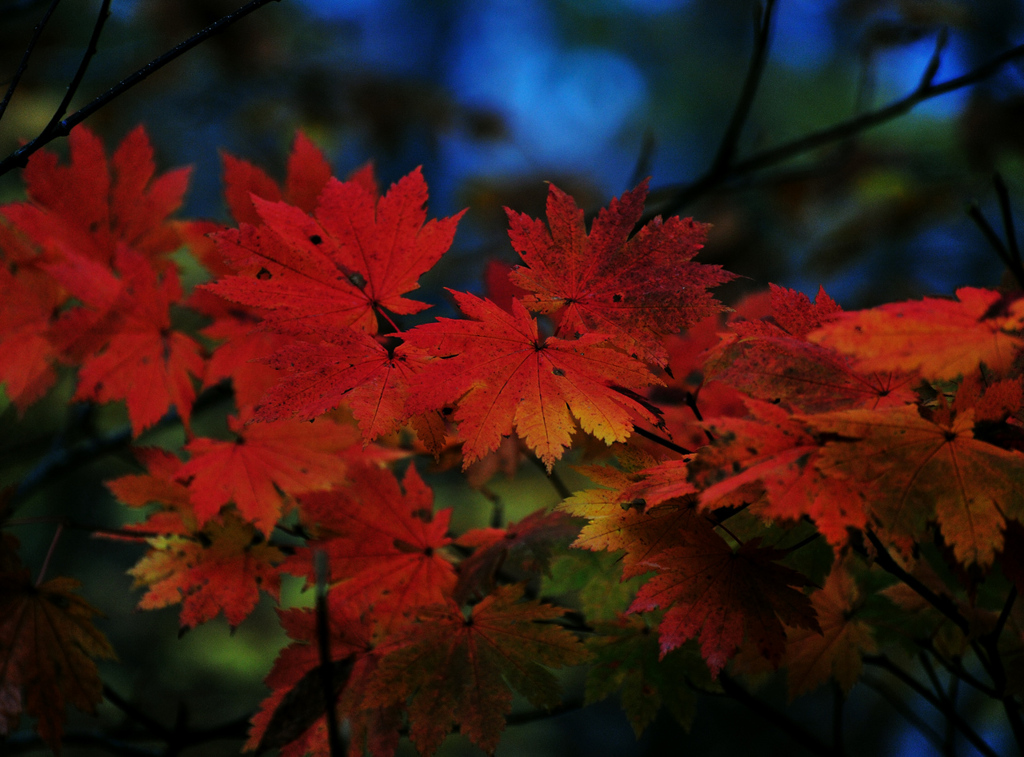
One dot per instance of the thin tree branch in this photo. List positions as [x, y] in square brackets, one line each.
[532, 716]
[323, 638]
[941, 603]
[136, 715]
[680, 197]
[61, 129]
[1012, 264]
[83, 66]
[883, 662]
[553, 477]
[956, 668]
[1006, 211]
[777, 718]
[901, 707]
[731, 137]
[23, 65]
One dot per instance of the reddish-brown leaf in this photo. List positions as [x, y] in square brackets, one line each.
[721, 595]
[455, 670]
[47, 646]
[914, 468]
[633, 289]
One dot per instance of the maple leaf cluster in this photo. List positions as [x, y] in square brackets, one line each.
[759, 469]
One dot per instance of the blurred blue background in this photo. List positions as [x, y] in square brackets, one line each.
[496, 97]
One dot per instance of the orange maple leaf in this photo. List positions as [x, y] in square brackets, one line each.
[913, 468]
[634, 290]
[223, 567]
[505, 377]
[942, 339]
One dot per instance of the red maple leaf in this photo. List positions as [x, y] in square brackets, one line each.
[372, 376]
[90, 206]
[771, 360]
[354, 259]
[292, 717]
[505, 377]
[633, 289]
[383, 543]
[123, 336]
[307, 174]
[263, 464]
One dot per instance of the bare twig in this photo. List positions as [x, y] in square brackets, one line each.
[897, 703]
[83, 66]
[883, 662]
[680, 197]
[941, 603]
[776, 717]
[62, 128]
[731, 137]
[23, 65]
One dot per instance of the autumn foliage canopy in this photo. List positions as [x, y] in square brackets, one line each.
[782, 485]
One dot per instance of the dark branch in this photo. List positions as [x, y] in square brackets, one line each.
[776, 717]
[941, 603]
[681, 197]
[83, 66]
[61, 129]
[883, 662]
[23, 65]
[662, 441]
[731, 137]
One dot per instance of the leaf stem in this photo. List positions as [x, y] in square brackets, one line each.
[49, 554]
[668, 444]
